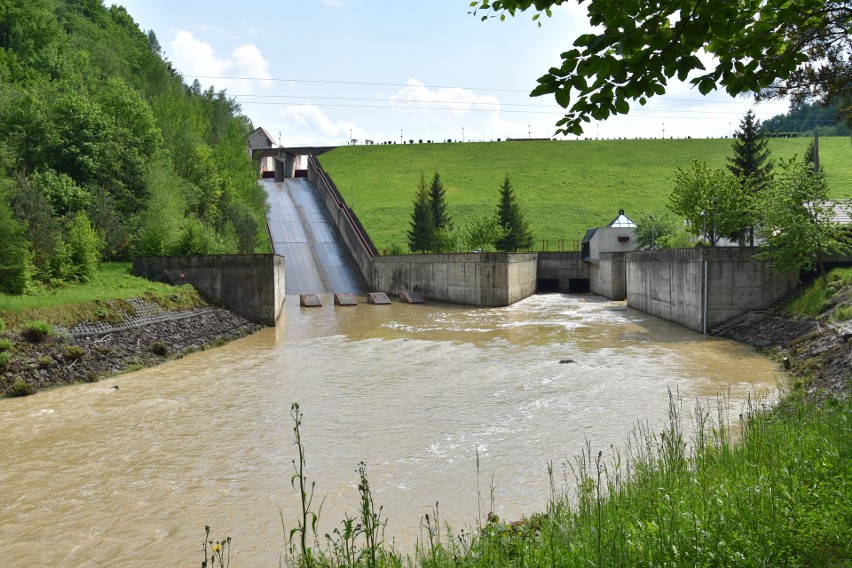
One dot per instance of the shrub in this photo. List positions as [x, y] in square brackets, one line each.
[74, 352]
[20, 387]
[160, 348]
[5, 345]
[84, 247]
[37, 331]
[5, 356]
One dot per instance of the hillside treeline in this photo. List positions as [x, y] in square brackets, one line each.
[804, 118]
[105, 151]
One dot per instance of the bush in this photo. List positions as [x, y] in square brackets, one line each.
[37, 331]
[160, 348]
[5, 345]
[5, 357]
[73, 352]
[84, 246]
[20, 387]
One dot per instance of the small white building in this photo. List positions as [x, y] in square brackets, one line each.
[618, 236]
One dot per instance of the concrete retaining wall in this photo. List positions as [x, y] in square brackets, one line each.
[671, 284]
[251, 285]
[355, 240]
[607, 276]
[488, 279]
[563, 267]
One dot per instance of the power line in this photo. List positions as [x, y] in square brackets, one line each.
[361, 83]
[498, 107]
[702, 100]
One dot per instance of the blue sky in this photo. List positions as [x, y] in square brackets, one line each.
[322, 71]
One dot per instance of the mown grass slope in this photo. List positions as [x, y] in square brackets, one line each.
[564, 187]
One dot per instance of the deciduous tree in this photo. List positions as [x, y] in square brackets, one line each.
[661, 231]
[711, 201]
[483, 232]
[797, 227]
[775, 48]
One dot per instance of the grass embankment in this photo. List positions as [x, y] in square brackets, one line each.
[71, 304]
[829, 299]
[564, 187]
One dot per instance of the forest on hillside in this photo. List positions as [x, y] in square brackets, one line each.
[803, 118]
[106, 152]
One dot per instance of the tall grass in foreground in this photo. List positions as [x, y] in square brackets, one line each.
[774, 490]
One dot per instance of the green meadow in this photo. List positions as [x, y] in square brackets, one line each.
[564, 187]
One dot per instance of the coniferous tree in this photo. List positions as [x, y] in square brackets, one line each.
[512, 219]
[437, 195]
[421, 235]
[751, 165]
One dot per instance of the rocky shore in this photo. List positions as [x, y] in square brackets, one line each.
[816, 352]
[92, 350]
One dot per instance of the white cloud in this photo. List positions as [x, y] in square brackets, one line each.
[308, 125]
[197, 58]
[417, 96]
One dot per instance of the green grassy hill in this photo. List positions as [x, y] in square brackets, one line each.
[564, 187]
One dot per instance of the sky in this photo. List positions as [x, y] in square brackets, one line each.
[325, 72]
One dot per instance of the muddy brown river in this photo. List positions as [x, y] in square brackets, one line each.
[93, 475]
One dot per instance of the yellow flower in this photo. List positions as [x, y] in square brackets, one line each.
[216, 547]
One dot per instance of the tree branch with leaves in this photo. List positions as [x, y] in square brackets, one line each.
[772, 48]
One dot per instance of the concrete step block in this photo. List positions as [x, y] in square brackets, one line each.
[411, 298]
[309, 301]
[379, 298]
[344, 300]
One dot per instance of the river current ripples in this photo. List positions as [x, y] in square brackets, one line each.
[418, 392]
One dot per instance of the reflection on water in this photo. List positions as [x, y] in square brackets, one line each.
[415, 391]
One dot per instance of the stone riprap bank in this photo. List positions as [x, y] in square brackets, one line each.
[251, 285]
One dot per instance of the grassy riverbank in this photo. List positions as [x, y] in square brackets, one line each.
[87, 301]
[765, 488]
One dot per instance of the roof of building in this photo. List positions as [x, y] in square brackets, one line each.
[270, 140]
[841, 211]
[589, 234]
[622, 220]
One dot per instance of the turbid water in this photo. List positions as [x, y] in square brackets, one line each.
[93, 475]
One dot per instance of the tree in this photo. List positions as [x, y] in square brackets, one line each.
[511, 218]
[15, 261]
[797, 229]
[84, 245]
[711, 201]
[750, 164]
[661, 231]
[483, 232]
[437, 196]
[775, 48]
[421, 235]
